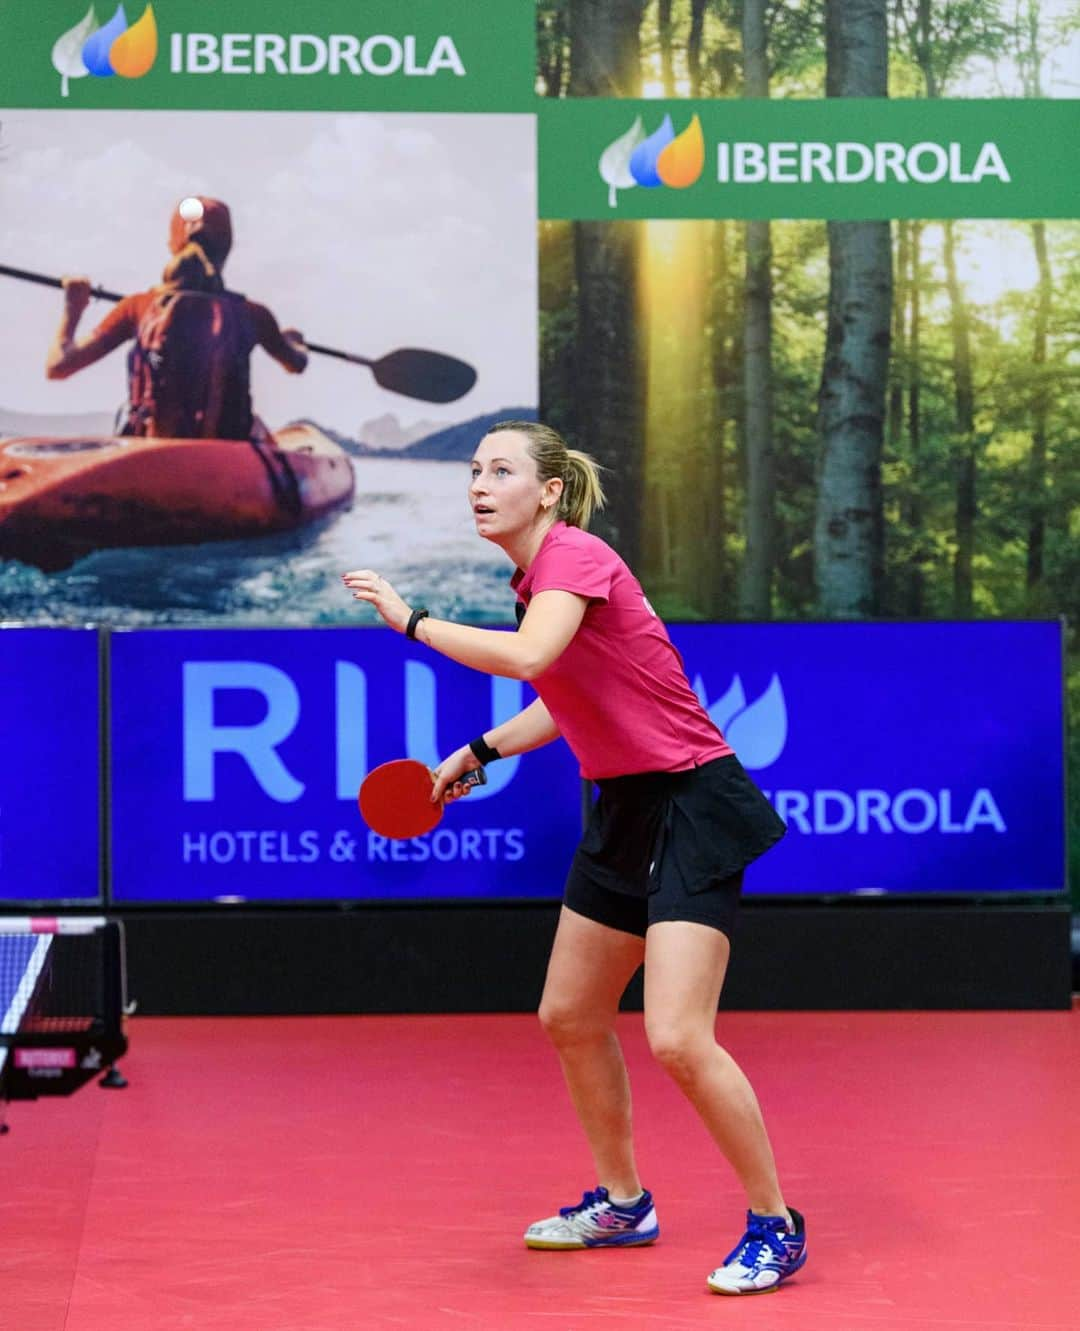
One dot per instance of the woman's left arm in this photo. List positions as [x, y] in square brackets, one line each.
[543, 635]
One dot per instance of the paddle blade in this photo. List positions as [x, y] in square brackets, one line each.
[395, 798]
[427, 375]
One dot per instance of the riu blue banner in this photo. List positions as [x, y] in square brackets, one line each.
[50, 770]
[237, 757]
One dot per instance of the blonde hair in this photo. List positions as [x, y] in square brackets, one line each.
[192, 269]
[582, 493]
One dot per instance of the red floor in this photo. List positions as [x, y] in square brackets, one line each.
[333, 1174]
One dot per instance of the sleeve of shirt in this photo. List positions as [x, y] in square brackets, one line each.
[562, 568]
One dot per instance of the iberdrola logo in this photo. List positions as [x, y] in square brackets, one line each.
[89, 48]
[661, 158]
[757, 730]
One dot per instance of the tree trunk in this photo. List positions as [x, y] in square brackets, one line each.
[693, 45]
[759, 512]
[924, 49]
[667, 67]
[605, 48]
[894, 421]
[552, 57]
[1040, 398]
[720, 601]
[558, 321]
[702, 487]
[916, 585]
[851, 403]
[924, 59]
[605, 61]
[856, 48]
[898, 366]
[964, 458]
[609, 376]
[1040, 410]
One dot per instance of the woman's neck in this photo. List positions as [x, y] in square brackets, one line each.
[523, 547]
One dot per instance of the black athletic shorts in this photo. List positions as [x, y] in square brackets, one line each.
[671, 846]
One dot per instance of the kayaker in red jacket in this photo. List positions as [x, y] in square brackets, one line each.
[188, 372]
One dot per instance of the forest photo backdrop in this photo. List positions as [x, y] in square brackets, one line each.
[834, 419]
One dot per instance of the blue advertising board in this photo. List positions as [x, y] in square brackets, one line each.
[918, 758]
[904, 758]
[50, 797]
[237, 754]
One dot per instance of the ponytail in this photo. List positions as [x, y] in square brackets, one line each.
[192, 269]
[582, 493]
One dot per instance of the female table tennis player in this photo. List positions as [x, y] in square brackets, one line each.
[658, 873]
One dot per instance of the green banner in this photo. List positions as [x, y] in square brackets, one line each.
[841, 158]
[338, 55]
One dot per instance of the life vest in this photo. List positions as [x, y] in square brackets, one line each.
[188, 373]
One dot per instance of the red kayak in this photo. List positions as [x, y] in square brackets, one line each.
[62, 498]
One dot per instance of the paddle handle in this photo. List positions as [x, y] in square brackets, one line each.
[43, 281]
[338, 355]
[477, 777]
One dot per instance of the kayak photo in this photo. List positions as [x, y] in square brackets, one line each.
[240, 349]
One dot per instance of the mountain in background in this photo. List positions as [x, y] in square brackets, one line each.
[386, 432]
[453, 443]
[457, 443]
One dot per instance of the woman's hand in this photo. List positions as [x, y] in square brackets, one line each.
[448, 775]
[369, 586]
[76, 296]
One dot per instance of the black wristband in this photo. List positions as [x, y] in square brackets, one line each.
[483, 752]
[414, 619]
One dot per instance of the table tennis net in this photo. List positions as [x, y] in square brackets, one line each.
[62, 1004]
[51, 981]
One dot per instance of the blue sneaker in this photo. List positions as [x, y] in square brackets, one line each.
[596, 1222]
[766, 1254]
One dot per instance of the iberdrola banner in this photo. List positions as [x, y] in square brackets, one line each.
[838, 158]
[269, 54]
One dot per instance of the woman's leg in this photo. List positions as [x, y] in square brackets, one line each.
[591, 964]
[685, 965]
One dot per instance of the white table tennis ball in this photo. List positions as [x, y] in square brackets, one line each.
[191, 209]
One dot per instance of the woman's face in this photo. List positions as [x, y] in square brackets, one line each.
[505, 492]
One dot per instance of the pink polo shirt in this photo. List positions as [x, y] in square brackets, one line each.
[619, 692]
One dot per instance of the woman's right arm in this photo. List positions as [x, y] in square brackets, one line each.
[529, 729]
[286, 345]
[66, 356]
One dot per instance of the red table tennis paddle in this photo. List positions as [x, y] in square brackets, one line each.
[395, 798]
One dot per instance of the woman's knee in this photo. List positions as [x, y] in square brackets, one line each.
[680, 1047]
[568, 1023]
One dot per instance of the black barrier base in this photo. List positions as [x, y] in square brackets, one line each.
[481, 958]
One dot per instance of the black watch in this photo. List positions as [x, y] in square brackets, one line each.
[483, 752]
[414, 619]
